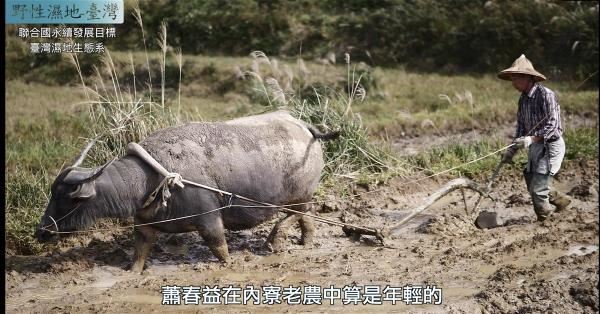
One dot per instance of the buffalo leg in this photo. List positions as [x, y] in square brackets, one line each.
[213, 233]
[278, 234]
[145, 237]
[307, 226]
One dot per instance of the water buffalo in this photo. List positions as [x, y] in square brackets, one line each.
[271, 157]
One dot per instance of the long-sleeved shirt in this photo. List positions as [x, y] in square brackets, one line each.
[540, 103]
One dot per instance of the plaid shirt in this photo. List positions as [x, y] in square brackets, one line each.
[538, 104]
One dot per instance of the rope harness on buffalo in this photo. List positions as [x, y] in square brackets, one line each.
[172, 180]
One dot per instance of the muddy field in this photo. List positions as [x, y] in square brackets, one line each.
[523, 266]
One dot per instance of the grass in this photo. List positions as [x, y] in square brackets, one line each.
[26, 196]
[33, 101]
[402, 102]
[581, 143]
[46, 126]
[352, 155]
[116, 113]
[446, 157]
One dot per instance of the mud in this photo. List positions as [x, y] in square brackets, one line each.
[523, 266]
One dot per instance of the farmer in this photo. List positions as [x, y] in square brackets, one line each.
[540, 131]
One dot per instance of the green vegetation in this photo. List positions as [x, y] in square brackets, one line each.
[581, 143]
[352, 155]
[116, 113]
[481, 36]
[48, 125]
[446, 157]
[50, 115]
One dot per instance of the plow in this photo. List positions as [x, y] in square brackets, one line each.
[453, 185]
[482, 220]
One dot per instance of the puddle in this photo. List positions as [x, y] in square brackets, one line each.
[582, 249]
[559, 276]
[14, 304]
[458, 292]
[535, 257]
[139, 296]
[274, 259]
[538, 257]
[104, 279]
[412, 257]
[161, 267]
[30, 284]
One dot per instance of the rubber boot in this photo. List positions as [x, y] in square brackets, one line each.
[543, 213]
[560, 200]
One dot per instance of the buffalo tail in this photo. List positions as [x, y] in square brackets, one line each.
[324, 136]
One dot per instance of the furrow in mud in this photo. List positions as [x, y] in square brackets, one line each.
[523, 266]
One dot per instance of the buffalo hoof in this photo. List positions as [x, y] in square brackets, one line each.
[274, 247]
[307, 241]
[136, 268]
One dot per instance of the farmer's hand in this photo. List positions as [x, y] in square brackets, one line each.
[508, 156]
[524, 141]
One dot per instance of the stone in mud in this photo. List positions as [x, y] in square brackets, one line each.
[516, 200]
[586, 295]
[488, 219]
[395, 199]
[330, 207]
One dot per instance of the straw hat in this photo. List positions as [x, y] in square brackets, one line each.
[522, 66]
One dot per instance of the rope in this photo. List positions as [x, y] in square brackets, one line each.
[169, 181]
[466, 163]
[61, 218]
[283, 207]
[173, 179]
[134, 225]
[430, 176]
[402, 184]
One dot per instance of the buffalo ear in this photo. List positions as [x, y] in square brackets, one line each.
[84, 190]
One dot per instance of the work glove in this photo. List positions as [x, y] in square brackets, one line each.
[508, 156]
[523, 142]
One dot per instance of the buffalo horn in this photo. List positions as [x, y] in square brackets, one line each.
[84, 153]
[80, 175]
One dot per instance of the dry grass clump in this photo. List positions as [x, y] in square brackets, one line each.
[352, 155]
[120, 116]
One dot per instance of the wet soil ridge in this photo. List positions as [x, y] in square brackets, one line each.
[522, 266]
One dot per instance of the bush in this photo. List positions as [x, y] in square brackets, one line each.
[561, 38]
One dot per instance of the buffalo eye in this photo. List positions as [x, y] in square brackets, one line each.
[83, 191]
